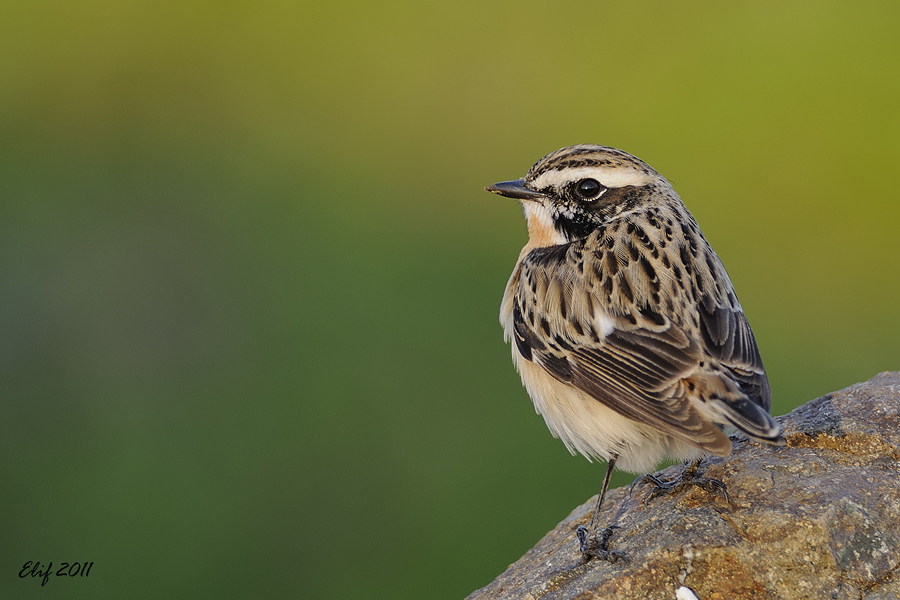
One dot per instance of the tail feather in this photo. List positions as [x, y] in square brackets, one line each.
[741, 400]
[751, 419]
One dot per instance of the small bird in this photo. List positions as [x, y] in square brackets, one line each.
[627, 332]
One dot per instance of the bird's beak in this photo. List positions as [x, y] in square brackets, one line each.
[514, 189]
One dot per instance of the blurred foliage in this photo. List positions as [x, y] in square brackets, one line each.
[249, 279]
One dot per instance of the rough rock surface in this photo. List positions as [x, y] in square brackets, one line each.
[818, 518]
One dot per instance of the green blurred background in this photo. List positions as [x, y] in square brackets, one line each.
[249, 279]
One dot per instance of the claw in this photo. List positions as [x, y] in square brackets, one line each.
[598, 547]
[687, 478]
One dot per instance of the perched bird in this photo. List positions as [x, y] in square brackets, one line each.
[627, 332]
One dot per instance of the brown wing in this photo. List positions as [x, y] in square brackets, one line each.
[569, 317]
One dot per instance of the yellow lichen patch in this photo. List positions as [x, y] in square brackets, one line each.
[856, 444]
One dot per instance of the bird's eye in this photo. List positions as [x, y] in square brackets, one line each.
[589, 189]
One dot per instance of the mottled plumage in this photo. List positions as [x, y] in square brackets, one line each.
[626, 328]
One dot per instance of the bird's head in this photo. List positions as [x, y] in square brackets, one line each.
[573, 191]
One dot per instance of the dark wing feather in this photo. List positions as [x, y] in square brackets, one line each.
[727, 337]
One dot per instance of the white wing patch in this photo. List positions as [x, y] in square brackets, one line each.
[611, 177]
[603, 323]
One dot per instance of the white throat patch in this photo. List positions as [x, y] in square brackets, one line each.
[541, 226]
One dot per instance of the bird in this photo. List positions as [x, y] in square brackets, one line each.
[624, 324]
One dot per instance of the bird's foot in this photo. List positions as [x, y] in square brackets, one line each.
[593, 546]
[687, 478]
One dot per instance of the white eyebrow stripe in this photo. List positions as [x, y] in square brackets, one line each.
[611, 177]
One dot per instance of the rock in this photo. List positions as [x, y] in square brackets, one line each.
[817, 518]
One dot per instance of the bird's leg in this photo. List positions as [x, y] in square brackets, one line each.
[687, 478]
[592, 545]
